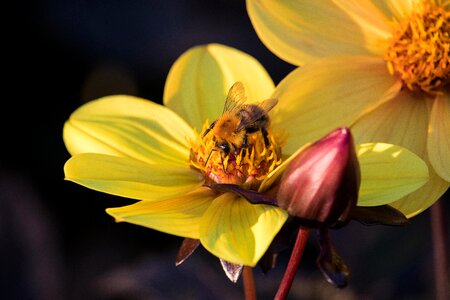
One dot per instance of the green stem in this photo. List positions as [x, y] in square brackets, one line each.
[294, 261]
[440, 250]
[249, 283]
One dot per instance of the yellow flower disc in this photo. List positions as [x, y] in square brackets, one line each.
[420, 47]
[246, 166]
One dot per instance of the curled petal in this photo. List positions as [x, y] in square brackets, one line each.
[388, 173]
[418, 201]
[404, 121]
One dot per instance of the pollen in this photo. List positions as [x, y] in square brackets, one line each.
[419, 48]
[247, 166]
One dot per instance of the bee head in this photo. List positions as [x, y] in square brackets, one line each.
[223, 146]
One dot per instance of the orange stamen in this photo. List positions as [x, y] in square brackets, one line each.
[248, 167]
[420, 47]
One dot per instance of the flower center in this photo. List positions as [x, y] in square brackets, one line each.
[419, 49]
[246, 166]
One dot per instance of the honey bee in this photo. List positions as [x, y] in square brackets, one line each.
[238, 120]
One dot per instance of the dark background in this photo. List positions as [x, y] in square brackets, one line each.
[56, 241]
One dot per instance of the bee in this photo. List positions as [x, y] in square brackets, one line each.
[238, 120]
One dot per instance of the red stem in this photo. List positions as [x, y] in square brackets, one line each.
[249, 283]
[296, 255]
[440, 250]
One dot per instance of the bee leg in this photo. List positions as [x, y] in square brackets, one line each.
[209, 156]
[225, 167]
[221, 159]
[245, 141]
[244, 152]
[244, 145]
[265, 135]
[209, 129]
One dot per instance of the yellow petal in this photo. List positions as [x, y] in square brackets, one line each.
[199, 81]
[178, 216]
[372, 22]
[130, 127]
[388, 173]
[403, 121]
[400, 9]
[273, 177]
[300, 31]
[423, 198]
[330, 93]
[131, 178]
[439, 136]
[237, 231]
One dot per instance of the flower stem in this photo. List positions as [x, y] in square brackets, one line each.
[296, 255]
[249, 283]
[440, 250]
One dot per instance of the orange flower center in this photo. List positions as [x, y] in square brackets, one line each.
[419, 49]
[246, 166]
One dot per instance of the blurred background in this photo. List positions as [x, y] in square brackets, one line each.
[57, 242]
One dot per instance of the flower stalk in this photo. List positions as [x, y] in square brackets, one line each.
[440, 251]
[249, 283]
[294, 261]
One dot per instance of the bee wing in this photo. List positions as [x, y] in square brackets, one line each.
[255, 112]
[235, 98]
[268, 104]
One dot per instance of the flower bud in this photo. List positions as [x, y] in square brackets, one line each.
[321, 184]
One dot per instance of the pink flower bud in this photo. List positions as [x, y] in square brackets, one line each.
[321, 184]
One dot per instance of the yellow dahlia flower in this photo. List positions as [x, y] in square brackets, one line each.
[380, 67]
[161, 156]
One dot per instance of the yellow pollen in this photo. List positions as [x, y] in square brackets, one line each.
[246, 166]
[419, 49]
